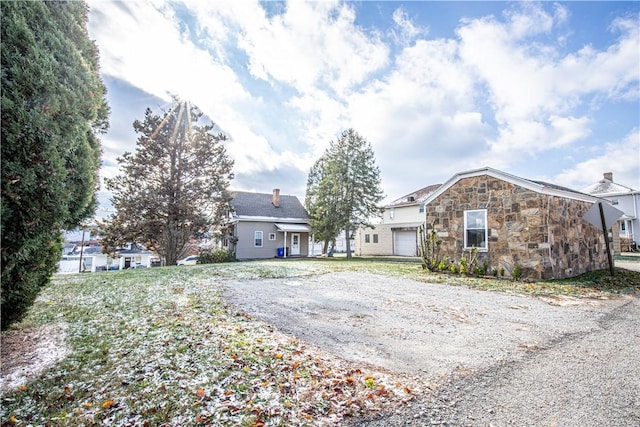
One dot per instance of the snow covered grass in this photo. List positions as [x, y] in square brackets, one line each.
[159, 347]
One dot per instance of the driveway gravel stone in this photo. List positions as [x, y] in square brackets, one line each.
[498, 359]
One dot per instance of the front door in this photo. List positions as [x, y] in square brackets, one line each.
[295, 244]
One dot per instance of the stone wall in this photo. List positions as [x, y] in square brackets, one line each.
[545, 236]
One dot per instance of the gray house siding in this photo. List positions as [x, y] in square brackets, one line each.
[246, 249]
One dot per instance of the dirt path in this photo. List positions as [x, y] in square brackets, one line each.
[494, 348]
[409, 326]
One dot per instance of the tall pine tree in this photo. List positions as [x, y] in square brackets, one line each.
[174, 187]
[53, 108]
[343, 188]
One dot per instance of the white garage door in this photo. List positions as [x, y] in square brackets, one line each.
[404, 243]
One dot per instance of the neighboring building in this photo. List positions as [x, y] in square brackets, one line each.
[89, 258]
[398, 232]
[628, 201]
[263, 225]
[515, 222]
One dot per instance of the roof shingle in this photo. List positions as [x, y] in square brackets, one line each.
[261, 204]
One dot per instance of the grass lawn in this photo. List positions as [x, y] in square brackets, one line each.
[159, 347]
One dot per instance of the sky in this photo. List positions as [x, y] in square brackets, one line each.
[542, 90]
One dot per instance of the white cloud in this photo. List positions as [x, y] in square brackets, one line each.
[284, 79]
[620, 157]
[406, 30]
[533, 89]
[311, 44]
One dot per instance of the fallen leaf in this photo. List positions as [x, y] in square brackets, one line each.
[22, 388]
[108, 404]
[200, 392]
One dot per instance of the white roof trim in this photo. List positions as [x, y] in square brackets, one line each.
[521, 182]
[248, 218]
[296, 228]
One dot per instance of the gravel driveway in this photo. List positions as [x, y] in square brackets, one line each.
[501, 359]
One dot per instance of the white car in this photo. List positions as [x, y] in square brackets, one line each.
[190, 260]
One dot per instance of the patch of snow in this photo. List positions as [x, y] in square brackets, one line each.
[27, 353]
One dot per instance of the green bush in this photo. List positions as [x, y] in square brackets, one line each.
[53, 109]
[481, 270]
[517, 273]
[443, 265]
[215, 256]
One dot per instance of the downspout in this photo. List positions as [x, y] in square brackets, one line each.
[284, 250]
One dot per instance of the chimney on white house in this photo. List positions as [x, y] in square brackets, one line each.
[276, 197]
[608, 176]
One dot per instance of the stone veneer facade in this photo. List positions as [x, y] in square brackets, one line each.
[542, 234]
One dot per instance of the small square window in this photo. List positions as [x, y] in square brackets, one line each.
[367, 238]
[272, 236]
[375, 238]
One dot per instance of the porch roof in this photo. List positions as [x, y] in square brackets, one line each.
[296, 228]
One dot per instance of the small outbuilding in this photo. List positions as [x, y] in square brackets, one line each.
[515, 222]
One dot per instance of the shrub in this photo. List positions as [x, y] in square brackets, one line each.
[443, 265]
[501, 271]
[470, 257]
[453, 268]
[494, 271]
[481, 270]
[429, 248]
[463, 266]
[517, 273]
[215, 256]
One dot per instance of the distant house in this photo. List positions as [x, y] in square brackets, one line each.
[625, 199]
[398, 232]
[90, 258]
[268, 226]
[515, 222]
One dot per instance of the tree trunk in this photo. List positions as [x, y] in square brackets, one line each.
[346, 233]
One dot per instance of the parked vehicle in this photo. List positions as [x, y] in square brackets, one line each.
[190, 260]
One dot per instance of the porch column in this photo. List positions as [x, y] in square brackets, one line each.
[285, 244]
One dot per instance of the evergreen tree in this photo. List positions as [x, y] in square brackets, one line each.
[343, 188]
[53, 108]
[174, 187]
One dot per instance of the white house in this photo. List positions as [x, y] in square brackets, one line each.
[625, 199]
[397, 234]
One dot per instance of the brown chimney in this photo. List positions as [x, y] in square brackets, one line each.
[276, 197]
[608, 176]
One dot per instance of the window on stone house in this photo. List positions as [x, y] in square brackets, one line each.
[475, 229]
[375, 238]
[258, 239]
[367, 238]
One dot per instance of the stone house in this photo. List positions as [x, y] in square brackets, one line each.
[267, 226]
[516, 222]
[397, 234]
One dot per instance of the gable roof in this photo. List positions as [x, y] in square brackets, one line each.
[415, 198]
[246, 204]
[606, 187]
[537, 186]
